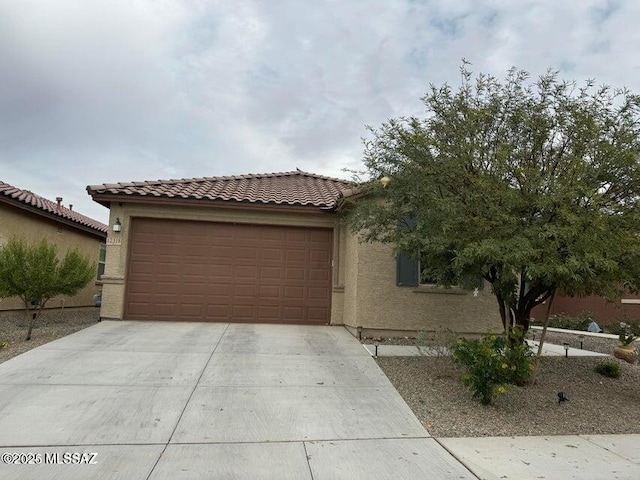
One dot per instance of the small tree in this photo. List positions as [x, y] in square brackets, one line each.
[35, 274]
[533, 186]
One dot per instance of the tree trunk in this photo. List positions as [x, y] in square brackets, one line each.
[544, 334]
[30, 318]
[523, 318]
[546, 323]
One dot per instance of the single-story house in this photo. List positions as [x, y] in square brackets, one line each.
[27, 215]
[265, 248]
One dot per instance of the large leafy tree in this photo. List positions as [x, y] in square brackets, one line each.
[531, 184]
[35, 274]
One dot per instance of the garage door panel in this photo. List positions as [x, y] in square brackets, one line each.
[244, 290]
[218, 311]
[221, 272]
[171, 279]
[247, 234]
[220, 293]
[200, 251]
[319, 274]
[297, 236]
[317, 313]
[228, 272]
[221, 252]
[292, 313]
[166, 298]
[143, 267]
[243, 311]
[271, 273]
[294, 274]
[142, 285]
[270, 291]
[196, 269]
[191, 309]
[293, 292]
[266, 313]
[318, 293]
[268, 254]
[296, 255]
[319, 256]
[244, 272]
[247, 253]
[272, 233]
[201, 289]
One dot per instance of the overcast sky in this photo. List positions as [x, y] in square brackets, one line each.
[99, 91]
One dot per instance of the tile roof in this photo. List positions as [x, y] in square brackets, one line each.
[282, 188]
[9, 192]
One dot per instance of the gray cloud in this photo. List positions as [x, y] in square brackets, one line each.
[105, 91]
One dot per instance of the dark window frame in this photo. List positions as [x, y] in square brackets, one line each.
[102, 260]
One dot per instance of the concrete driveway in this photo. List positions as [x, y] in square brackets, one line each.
[157, 400]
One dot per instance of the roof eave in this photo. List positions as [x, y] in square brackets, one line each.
[43, 213]
[107, 198]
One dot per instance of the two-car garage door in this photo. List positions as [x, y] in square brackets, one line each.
[205, 271]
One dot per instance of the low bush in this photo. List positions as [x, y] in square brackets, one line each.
[626, 327]
[438, 345]
[608, 368]
[579, 322]
[494, 362]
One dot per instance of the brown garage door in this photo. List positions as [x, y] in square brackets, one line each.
[204, 271]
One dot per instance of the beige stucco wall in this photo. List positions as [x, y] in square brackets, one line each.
[382, 305]
[33, 227]
[113, 295]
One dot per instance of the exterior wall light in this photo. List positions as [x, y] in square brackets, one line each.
[117, 226]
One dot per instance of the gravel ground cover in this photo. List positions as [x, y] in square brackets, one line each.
[431, 386]
[50, 325]
[595, 344]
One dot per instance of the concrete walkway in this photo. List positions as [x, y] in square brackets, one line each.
[548, 350]
[158, 400]
[584, 457]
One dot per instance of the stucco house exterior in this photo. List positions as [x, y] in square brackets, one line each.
[265, 248]
[32, 217]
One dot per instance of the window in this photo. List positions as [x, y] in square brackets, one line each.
[410, 273]
[101, 260]
[425, 278]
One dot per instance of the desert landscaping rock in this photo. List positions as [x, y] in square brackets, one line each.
[51, 325]
[597, 405]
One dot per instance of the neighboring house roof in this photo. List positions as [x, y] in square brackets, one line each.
[283, 188]
[43, 206]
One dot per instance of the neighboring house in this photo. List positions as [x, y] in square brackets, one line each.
[265, 248]
[26, 215]
[605, 312]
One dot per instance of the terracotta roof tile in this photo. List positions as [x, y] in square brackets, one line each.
[289, 188]
[29, 198]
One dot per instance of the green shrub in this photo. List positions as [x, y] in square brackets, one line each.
[494, 362]
[519, 357]
[625, 327]
[579, 322]
[608, 368]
